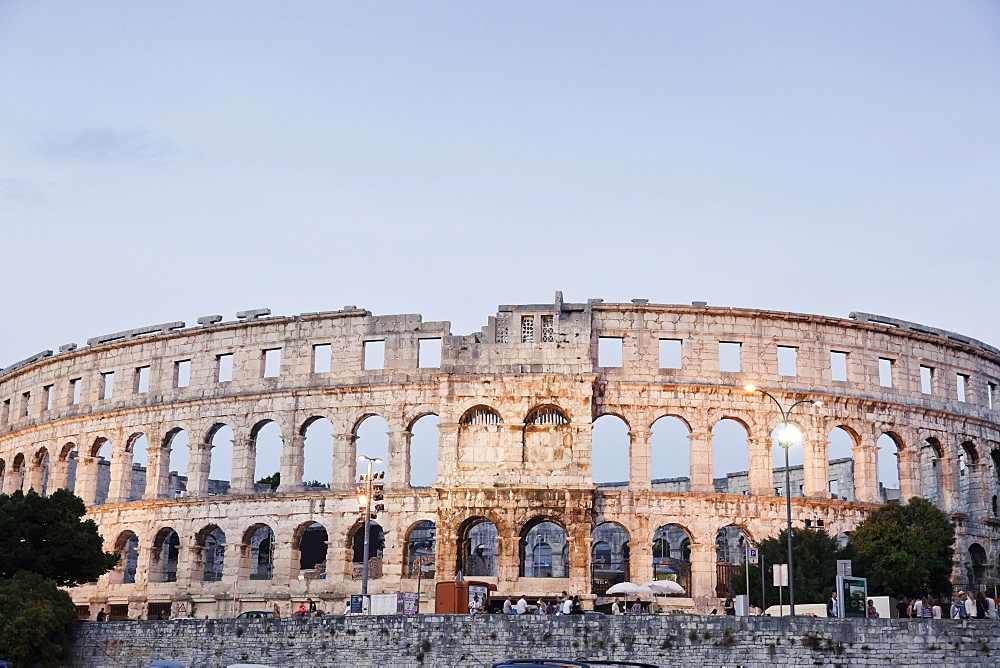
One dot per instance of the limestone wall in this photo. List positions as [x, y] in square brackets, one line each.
[516, 404]
[447, 641]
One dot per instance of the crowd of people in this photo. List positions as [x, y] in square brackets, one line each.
[565, 605]
[965, 605]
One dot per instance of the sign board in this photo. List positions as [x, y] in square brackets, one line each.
[753, 556]
[844, 567]
[853, 595]
[357, 604]
[477, 597]
[407, 603]
[780, 575]
[182, 610]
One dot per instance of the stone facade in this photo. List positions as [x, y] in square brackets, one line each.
[514, 500]
[446, 641]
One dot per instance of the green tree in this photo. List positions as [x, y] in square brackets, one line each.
[814, 572]
[905, 549]
[36, 621]
[273, 480]
[45, 535]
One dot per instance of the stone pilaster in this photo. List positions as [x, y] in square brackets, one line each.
[761, 477]
[703, 573]
[397, 473]
[866, 473]
[701, 461]
[293, 456]
[345, 464]
[157, 473]
[86, 479]
[815, 468]
[121, 476]
[640, 460]
[198, 468]
[909, 473]
[58, 475]
[244, 460]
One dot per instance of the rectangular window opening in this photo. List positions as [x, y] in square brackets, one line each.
[5, 418]
[609, 351]
[548, 329]
[107, 385]
[527, 329]
[926, 379]
[991, 392]
[272, 363]
[429, 354]
[838, 366]
[961, 383]
[834, 488]
[322, 357]
[74, 391]
[729, 357]
[141, 384]
[671, 354]
[47, 398]
[224, 368]
[25, 404]
[788, 358]
[885, 372]
[182, 373]
[374, 355]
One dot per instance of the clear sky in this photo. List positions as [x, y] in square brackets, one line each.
[163, 161]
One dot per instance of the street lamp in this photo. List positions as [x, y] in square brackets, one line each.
[788, 434]
[365, 501]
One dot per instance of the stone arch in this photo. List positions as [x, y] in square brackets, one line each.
[137, 457]
[978, 566]
[890, 444]
[127, 547]
[423, 448]
[730, 448]
[371, 435]
[257, 549]
[311, 541]
[266, 445]
[730, 544]
[480, 415]
[546, 415]
[39, 479]
[670, 450]
[478, 547]
[543, 548]
[420, 549]
[164, 556]
[212, 540]
[672, 554]
[376, 548]
[221, 438]
[610, 458]
[840, 460]
[969, 479]
[610, 552]
[480, 437]
[546, 436]
[101, 451]
[317, 452]
[931, 453]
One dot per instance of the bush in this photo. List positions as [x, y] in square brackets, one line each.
[36, 621]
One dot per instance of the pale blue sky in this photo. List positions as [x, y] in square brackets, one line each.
[162, 161]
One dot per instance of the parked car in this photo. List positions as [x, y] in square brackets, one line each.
[256, 614]
[567, 663]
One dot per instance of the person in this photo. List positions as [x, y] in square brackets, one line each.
[991, 608]
[522, 605]
[615, 608]
[970, 606]
[936, 609]
[872, 612]
[566, 607]
[576, 608]
[508, 606]
[475, 605]
[916, 608]
[347, 607]
[101, 615]
[312, 607]
[902, 608]
[832, 608]
[981, 606]
[729, 606]
[540, 607]
[927, 612]
[159, 616]
[277, 610]
[637, 607]
[303, 611]
[958, 606]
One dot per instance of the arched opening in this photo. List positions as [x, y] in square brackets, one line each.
[730, 555]
[840, 480]
[730, 455]
[40, 472]
[419, 550]
[888, 467]
[166, 546]
[138, 445]
[969, 482]
[547, 437]
[258, 548]
[543, 549]
[609, 459]
[796, 474]
[266, 449]
[931, 454]
[17, 473]
[547, 415]
[372, 440]
[102, 451]
[127, 547]
[3, 472]
[480, 416]
[70, 456]
[376, 545]
[978, 566]
[312, 547]
[178, 454]
[478, 547]
[220, 468]
[424, 440]
[672, 555]
[317, 445]
[670, 446]
[213, 541]
[609, 556]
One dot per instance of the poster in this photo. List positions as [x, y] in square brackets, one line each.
[853, 595]
[357, 604]
[480, 591]
[408, 603]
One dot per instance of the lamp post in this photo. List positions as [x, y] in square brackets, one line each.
[788, 435]
[365, 502]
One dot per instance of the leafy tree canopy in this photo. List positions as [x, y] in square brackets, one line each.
[814, 573]
[905, 549]
[45, 535]
[273, 480]
[36, 621]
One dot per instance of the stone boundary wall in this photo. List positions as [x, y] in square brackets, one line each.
[458, 640]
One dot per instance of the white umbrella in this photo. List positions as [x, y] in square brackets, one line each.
[628, 588]
[664, 587]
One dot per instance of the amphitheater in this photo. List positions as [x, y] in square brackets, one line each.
[166, 433]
